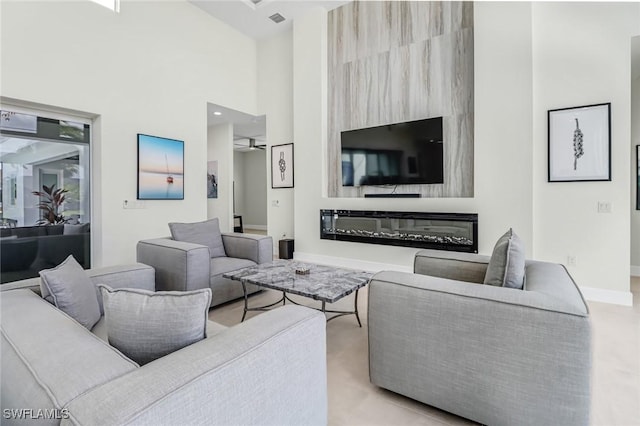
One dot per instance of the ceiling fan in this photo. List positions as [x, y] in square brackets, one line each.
[252, 143]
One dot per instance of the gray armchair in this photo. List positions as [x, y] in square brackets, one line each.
[498, 356]
[182, 266]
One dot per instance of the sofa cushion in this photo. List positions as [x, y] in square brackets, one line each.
[146, 325]
[206, 233]
[506, 266]
[48, 359]
[70, 289]
[222, 265]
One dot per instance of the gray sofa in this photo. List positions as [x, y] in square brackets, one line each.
[182, 266]
[268, 370]
[498, 356]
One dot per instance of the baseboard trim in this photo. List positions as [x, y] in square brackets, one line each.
[635, 271]
[257, 227]
[624, 298]
[343, 262]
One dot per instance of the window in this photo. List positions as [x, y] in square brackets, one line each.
[45, 209]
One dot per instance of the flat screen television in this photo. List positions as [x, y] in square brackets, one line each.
[393, 154]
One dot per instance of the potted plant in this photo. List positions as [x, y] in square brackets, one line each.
[50, 201]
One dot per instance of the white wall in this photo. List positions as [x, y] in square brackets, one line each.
[635, 140]
[275, 99]
[238, 179]
[529, 57]
[220, 149]
[150, 69]
[502, 143]
[255, 189]
[581, 56]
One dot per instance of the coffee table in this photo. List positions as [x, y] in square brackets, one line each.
[327, 284]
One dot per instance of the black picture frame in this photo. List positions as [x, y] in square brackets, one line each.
[282, 166]
[157, 177]
[579, 143]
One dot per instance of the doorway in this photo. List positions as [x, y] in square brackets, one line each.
[249, 167]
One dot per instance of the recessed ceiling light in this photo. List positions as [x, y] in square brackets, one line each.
[217, 113]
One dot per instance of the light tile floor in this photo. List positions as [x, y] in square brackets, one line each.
[355, 401]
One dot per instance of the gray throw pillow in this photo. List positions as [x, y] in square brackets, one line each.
[506, 266]
[71, 290]
[75, 229]
[146, 325]
[205, 233]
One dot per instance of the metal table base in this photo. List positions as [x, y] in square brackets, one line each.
[286, 298]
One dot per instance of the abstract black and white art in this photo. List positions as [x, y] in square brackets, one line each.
[282, 166]
[580, 143]
[212, 179]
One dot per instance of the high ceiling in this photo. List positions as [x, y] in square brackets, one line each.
[251, 17]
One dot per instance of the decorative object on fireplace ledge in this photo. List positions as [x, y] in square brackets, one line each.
[441, 231]
[579, 140]
[282, 166]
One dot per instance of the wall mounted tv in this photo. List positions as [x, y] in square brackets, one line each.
[393, 154]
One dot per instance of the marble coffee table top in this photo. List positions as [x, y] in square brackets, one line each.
[326, 283]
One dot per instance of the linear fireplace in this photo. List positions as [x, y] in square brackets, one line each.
[441, 231]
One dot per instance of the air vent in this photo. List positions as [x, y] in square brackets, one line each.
[277, 18]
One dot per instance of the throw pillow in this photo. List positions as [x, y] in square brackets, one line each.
[76, 229]
[205, 233]
[71, 290]
[146, 325]
[506, 266]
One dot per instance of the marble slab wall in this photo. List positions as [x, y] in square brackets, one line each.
[396, 61]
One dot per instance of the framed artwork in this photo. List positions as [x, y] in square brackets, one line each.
[160, 168]
[637, 177]
[580, 143]
[282, 166]
[212, 179]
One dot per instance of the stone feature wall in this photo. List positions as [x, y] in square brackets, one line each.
[392, 62]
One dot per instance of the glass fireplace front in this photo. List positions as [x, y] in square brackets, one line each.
[442, 231]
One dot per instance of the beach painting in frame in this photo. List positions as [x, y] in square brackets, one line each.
[160, 168]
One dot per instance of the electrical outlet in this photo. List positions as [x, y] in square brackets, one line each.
[132, 204]
[572, 260]
[604, 206]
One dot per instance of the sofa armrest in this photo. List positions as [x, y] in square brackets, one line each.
[270, 369]
[491, 354]
[32, 284]
[134, 275]
[179, 266]
[469, 267]
[258, 248]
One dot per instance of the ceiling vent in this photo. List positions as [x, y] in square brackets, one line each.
[277, 18]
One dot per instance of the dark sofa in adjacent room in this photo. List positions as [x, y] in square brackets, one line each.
[24, 251]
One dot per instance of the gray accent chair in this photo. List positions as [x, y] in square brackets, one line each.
[182, 266]
[495, 355]
[270, 369]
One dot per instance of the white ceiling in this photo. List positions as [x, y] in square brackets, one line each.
[253, 20]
